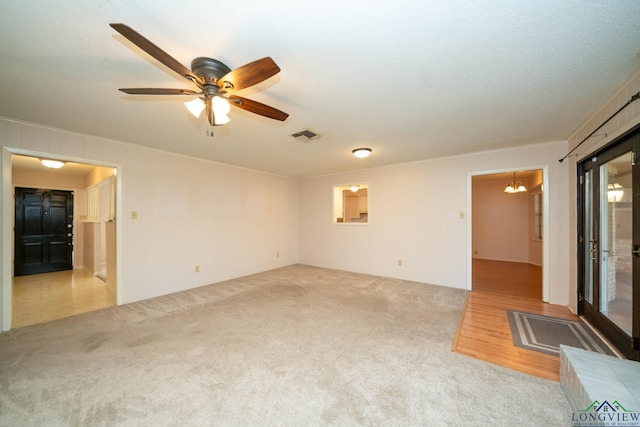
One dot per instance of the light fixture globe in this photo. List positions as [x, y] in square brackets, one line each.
[53, 164]
[515, 186]
[361, 153]
[195, 106]
[220, 109]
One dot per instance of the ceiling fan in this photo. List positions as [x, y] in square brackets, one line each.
[214, 80]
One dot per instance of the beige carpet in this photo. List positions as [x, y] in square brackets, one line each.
[296, 346]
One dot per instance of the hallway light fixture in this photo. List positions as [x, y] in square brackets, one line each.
[53, 164]
[361, 153]
[515, 187]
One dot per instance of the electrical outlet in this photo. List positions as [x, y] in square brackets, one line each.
[134, 214]
[399, 263]
[197, 268]
[277, 254]
[461, 215]
[475, 252]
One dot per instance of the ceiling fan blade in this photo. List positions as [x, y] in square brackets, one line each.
[159, 54]
[258, 108]
[159, 91]
[249, 74]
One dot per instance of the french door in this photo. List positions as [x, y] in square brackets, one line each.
[609, 243]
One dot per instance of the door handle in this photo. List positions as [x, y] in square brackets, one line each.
[69, 235]
[635, 251]
[594, 250]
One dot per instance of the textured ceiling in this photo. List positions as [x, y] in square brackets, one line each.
[409, 79]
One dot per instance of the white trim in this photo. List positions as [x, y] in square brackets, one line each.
[7, 236]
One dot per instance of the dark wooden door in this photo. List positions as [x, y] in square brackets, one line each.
[43, 231]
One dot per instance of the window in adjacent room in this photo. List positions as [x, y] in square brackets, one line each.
[537, 216]
[351, 204]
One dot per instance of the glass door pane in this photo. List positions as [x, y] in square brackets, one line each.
[590, 246]
[616, 233]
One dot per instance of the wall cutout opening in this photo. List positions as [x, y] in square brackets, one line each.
[351, 204]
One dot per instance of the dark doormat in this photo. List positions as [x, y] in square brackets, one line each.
[545, 334]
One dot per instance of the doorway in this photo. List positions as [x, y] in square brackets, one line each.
[609, 242]
[507, 229]
[78, 289]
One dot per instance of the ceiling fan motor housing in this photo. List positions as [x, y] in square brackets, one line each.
[209, 69]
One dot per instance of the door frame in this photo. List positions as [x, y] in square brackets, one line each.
[7, 225]
[545, 222]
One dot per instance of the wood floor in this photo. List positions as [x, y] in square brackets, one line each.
[41, 298]
[484, 331]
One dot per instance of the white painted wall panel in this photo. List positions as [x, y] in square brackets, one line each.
[415, 216]
[500, 223]
[228, 220]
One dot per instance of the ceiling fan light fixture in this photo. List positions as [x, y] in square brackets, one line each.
[220, 110]
[212, 77]
[361, 153]
[53, 164]
[195, 106]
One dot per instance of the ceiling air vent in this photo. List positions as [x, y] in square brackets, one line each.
[305, 135]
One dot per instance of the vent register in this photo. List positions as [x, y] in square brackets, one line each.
[305, 135]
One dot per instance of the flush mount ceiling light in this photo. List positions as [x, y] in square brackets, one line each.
[361, 153]
[53, 164]
[515, 187]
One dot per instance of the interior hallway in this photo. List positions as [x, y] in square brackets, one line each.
[484, 331]
[40, 298]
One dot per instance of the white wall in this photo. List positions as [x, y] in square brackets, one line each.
[414, 213]
[500, 222]
[623, 122]
[230, 221]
